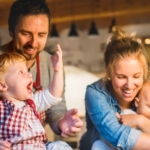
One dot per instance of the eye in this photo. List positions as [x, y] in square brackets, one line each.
[25, 33]
[42, 35]
[137, 76]
[121, 77]
[20, 72]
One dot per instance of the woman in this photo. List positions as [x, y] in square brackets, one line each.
[126, 70]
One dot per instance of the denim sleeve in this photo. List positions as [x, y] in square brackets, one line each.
[104, 119]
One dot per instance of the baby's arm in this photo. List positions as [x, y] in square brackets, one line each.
[52, 95]
[44, 100]
[144, 124]
[56, 86]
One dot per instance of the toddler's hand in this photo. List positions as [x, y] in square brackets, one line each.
[56, 59]
[5, 145]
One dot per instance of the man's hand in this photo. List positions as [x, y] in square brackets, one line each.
[70, 124]
[5, 145]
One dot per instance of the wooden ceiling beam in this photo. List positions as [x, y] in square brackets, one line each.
[101, 15]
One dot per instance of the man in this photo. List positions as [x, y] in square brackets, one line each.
[29, 27]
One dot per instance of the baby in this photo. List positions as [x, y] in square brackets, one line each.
[19, 119]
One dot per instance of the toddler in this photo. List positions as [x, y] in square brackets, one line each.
[19, 119]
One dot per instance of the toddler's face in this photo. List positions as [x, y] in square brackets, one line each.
[19, 82]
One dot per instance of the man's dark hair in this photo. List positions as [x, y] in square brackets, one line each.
[26, 7]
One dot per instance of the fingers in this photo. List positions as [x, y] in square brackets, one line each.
[69, 132]
[72, 130]
[5, 145]
[75, 130]
[117, 115]
[58, 54]
[73, 111]
[64, 135]
[71, 123]
[79, 124]
[59, 51]
[120, 120]
[56, 59]
[58, 47]
[75, 118]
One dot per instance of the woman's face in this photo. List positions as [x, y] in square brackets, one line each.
[127, 80]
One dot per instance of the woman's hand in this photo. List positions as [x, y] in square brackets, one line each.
[5, 145]
[139, 122]
[132, 120]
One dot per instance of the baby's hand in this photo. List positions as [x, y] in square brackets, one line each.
[56, 59]
[4, 145]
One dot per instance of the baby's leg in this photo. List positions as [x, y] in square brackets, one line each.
[58, 145]
[101, 145]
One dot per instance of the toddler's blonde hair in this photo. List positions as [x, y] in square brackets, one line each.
[7, 59]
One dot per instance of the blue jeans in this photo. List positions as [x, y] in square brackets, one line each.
[57, 145]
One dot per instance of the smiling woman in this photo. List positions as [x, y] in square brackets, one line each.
[126, 70]
[126, 82]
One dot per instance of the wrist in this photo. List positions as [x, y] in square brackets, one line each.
[58, 125]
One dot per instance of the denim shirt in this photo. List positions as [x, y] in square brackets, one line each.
[101, 108]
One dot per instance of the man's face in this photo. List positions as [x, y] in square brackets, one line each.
[30, 35]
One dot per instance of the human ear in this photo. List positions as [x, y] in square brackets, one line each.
[3, 86]
[136, 102]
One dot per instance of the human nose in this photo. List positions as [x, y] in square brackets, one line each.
[129, 83]
[33, 41]
[29, 75]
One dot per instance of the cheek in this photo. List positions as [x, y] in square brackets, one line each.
[20, 41]
[43, 42]
[140, 82]
[143, 111]
[116, 83]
